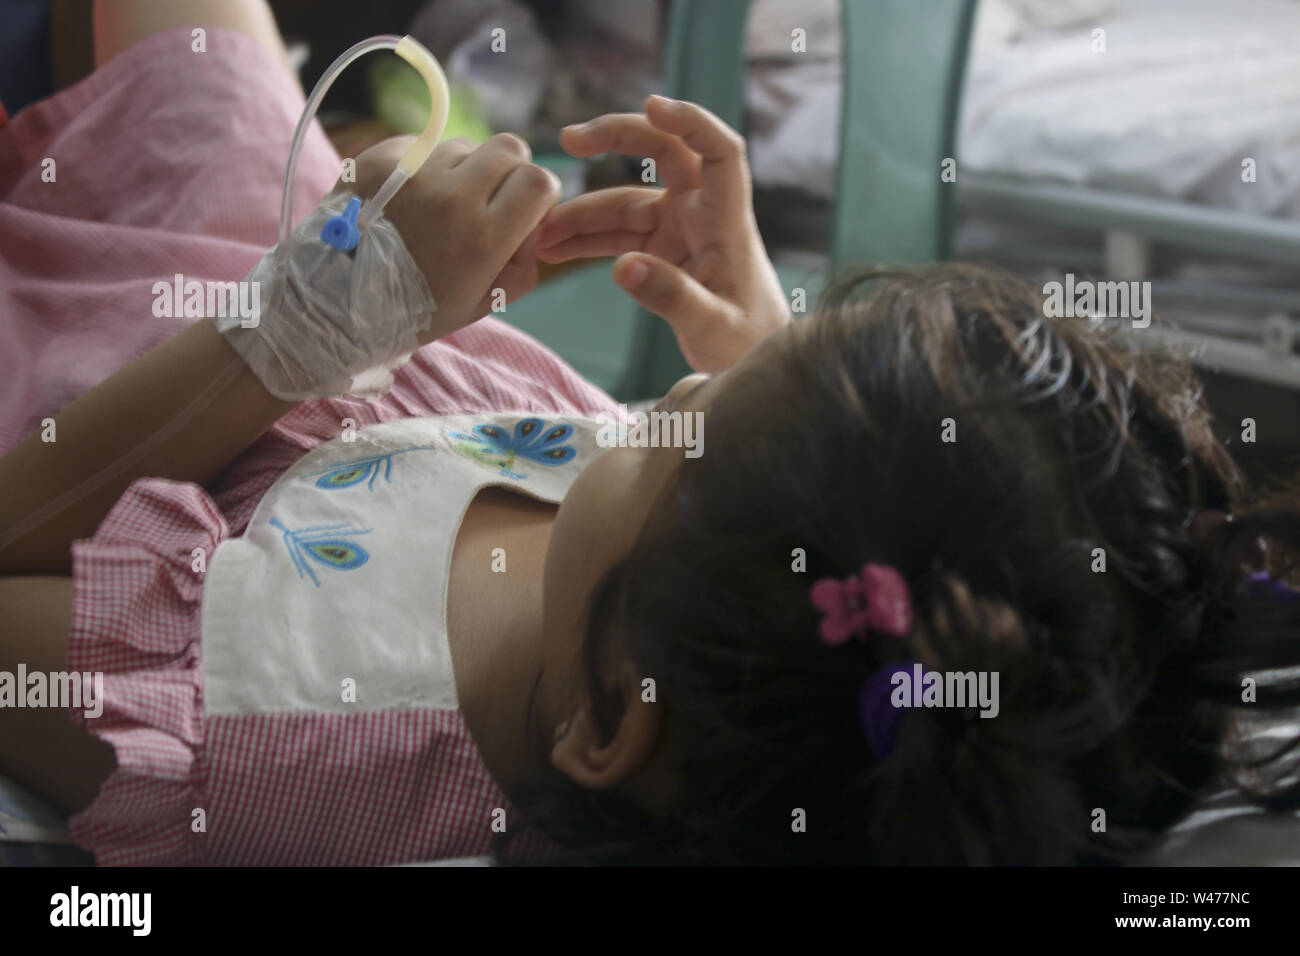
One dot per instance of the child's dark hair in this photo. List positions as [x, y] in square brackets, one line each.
[1117, 686]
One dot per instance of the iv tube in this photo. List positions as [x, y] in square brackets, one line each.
[420, 58]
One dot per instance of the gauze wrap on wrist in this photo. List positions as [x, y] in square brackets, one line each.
[333, 322]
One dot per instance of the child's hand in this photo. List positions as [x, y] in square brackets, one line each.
[690, 253]
[467, 218]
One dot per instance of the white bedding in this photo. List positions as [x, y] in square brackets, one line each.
[1184, 92]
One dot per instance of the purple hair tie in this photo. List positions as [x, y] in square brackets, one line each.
[877, 712]
[1262, 585]
[877, 599]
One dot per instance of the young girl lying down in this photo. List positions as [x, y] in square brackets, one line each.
[445, 621]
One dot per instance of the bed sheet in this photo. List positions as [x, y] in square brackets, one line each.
[1185, 90]
[1183, 93]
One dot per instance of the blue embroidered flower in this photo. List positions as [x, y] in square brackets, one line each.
[532, 438]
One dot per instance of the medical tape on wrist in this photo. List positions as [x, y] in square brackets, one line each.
[332, 322]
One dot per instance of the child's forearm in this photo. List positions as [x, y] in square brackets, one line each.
[133, 424]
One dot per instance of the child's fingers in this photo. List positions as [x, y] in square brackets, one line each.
[527, 252]
[619, 208]
[669, 292]
[448, 154]
[597, 245]
[632, 135]
[485, 170]
[524, 197]
[724, 170]
[516, 279]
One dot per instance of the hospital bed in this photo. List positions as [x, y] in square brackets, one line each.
[1181, 137]
[904, 67]
[1113, 159]
[1131, 188]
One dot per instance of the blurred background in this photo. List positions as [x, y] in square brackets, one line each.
[1150, 140]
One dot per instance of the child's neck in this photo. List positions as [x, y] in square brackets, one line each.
[494, 624]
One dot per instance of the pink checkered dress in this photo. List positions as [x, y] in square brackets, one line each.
[171, 161]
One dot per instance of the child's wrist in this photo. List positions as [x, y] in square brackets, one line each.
[335, 320]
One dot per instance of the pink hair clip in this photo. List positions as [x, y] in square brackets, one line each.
[876, 600]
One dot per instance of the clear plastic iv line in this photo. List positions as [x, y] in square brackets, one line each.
[422, 60]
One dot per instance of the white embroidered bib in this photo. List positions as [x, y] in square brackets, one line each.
[335, 597]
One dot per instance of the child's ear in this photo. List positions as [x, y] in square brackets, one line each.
[589, 761]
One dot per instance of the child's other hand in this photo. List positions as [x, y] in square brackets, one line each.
[468, 219]
[690, 253]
